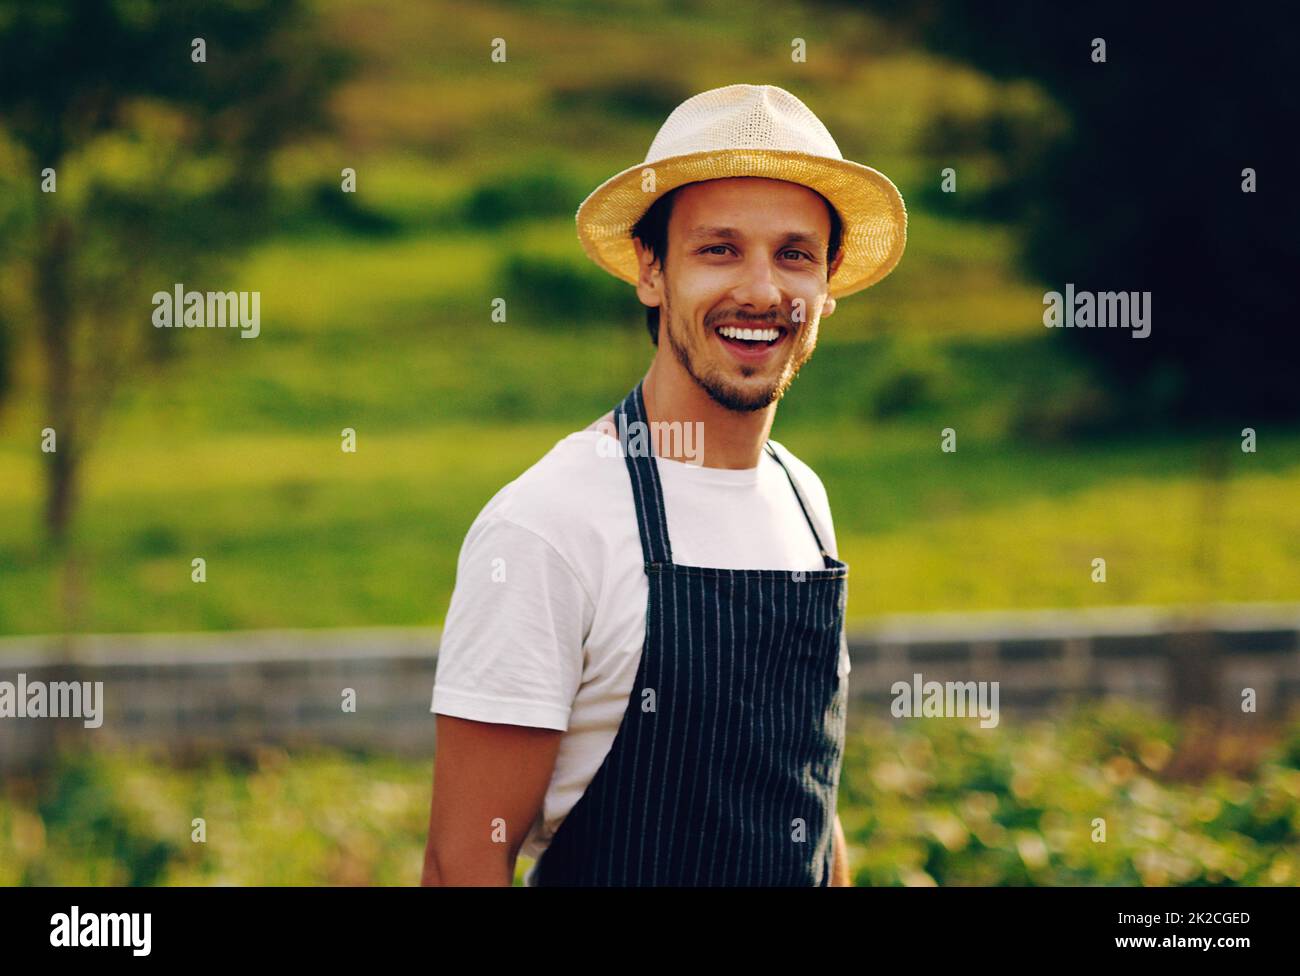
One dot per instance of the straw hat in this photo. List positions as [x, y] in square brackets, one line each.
[750, 130]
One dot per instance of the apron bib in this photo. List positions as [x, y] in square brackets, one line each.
[726, 766]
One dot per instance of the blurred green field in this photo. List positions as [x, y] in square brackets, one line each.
[376, 316]
[233, 453]
[922, 802]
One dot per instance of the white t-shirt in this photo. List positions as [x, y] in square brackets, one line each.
[547, 620]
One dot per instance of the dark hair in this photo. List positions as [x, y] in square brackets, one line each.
[652, 231]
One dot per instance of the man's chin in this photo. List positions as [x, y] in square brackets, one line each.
[742, 398]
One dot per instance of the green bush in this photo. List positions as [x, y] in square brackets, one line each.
[539, 190]
[923, 802]
[943, 802]
[556, 294]
[909, 374]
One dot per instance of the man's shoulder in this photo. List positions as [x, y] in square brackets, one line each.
[572, 482]
[802, 471]
[813, 491]
[602, 424]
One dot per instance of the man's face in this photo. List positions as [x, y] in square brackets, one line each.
[743, 253]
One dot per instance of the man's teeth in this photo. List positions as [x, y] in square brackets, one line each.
[752, 335]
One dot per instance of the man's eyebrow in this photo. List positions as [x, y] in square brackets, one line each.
[731, 234]
[728, 232]
[803, 237]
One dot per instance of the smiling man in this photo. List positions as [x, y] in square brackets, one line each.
[643, 676]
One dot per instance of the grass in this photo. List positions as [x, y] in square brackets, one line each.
[296, 532]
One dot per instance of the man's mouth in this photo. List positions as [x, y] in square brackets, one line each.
[750, 342]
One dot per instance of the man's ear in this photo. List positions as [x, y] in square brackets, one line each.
[649, 285]
[828, 307]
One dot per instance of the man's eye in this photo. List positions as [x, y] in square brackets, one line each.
[799, 253]
[714, 247]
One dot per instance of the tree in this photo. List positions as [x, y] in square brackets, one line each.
[155, 123]
[1144, 192]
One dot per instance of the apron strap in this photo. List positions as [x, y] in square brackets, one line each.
[799, 497]
[647, 492]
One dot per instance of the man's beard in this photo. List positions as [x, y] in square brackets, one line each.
[721, 391]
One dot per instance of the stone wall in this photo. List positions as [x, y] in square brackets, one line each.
[197, 692]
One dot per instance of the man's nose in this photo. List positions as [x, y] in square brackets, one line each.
[757, 288]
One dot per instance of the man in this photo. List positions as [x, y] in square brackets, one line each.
[643, 674]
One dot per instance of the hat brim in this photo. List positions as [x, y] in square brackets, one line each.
[871, 209]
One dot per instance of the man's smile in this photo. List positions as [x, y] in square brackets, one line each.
[751, 342]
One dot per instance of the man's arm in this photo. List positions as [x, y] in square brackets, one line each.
[489, 781]
[840, 877]
[509, 667]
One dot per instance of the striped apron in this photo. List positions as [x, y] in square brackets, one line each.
[726, 766]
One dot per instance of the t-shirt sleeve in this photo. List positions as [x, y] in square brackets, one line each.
[512, 646]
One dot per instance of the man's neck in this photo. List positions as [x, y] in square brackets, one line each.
[731, 438]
